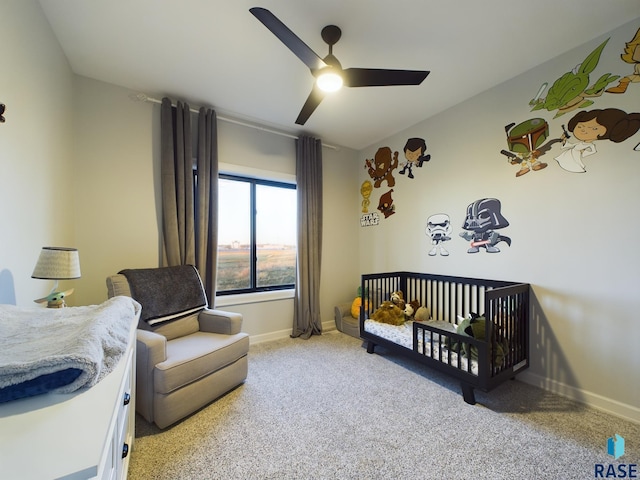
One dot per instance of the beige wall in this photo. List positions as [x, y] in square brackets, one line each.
[36, 170]
[117, 164]
[115, 196]
[574, 234]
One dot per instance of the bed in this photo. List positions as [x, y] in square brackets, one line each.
[483, 361]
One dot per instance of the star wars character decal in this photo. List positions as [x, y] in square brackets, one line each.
[438, 229]
[386, 206]
[525, 143]
[587, 126]
[631, 55]
[415, 154]
[572, 91]
[381, 167]
[483, 218]
[365, 190]
[368, 219]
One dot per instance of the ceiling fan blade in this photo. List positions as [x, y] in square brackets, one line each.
[375, 77]
[313, 100]
[290, 39]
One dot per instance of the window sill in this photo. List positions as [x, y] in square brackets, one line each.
[258, 297]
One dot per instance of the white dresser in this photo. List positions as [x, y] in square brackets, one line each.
[87, 434]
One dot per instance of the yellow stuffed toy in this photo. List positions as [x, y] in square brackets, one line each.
[355, 307]
[357, 302]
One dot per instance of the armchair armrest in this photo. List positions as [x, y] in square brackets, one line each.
[342, 311]
[219, 321]
[151, 349]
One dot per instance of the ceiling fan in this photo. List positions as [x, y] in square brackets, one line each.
[330, 75]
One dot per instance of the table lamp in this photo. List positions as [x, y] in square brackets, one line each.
[57, 263]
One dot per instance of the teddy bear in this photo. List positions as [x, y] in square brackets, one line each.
[423, 314]
[410, 309]
[397, 298]
[389, 313]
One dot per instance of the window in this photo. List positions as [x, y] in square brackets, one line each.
[256, 235]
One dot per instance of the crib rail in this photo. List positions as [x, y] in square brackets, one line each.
[452, 349]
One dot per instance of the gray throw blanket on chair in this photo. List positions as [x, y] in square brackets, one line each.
[166, 293]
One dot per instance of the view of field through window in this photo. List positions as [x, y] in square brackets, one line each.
[275, 235]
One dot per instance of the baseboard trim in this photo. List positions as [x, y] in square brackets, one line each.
[608, 405]
[280, 334]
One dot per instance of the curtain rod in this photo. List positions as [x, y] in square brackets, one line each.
[141, 97]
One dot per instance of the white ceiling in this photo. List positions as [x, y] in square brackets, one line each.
[215, 53]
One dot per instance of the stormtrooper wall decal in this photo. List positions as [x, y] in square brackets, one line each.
[438, 229]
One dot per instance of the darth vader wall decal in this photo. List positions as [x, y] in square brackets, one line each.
[483, 218]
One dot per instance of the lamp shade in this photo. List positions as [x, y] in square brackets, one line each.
[57, 263]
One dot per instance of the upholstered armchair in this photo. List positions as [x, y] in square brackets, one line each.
[187, 355]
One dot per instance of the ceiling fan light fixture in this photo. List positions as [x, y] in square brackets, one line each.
[329, 80]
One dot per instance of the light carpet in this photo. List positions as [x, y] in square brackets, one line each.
[323, 408]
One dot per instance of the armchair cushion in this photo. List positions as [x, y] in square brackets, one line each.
[179, 328]
[196, 356]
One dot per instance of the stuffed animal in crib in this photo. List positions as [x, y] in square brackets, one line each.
[410, 309]
[474, 325]
[389, 313]
[423, 314]
[397, 298]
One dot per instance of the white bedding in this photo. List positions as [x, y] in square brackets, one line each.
[403, 336]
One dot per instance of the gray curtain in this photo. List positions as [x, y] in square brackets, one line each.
[307, 321]
[189, 208]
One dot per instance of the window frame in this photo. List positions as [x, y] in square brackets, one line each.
[253, 183]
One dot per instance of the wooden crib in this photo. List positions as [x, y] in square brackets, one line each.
[476, 363]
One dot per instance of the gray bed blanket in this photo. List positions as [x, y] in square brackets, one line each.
[61, 350]
[166, 293]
